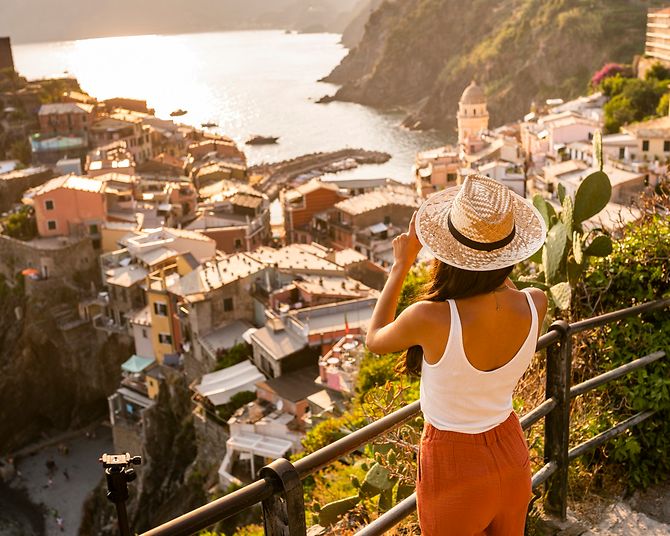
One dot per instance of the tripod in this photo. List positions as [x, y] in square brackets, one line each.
[119, 471]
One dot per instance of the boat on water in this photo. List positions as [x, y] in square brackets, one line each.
[262, 140]
[178, 113]
[209, 125]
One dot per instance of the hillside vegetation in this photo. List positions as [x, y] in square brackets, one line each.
[419, 55]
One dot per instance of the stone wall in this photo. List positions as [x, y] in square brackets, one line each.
[51, 257]
[211, 440]
[128, 437]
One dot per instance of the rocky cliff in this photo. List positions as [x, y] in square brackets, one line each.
[167, 484]
[55, 373]
[419, 55]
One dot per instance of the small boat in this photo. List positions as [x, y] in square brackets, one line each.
[262, 140]
[209, 125]
[178, 113]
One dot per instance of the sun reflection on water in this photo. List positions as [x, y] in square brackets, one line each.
[247, 82]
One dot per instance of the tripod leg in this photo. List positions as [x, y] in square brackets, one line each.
[122, 515]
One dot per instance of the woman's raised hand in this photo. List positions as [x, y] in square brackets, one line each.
[406, 246]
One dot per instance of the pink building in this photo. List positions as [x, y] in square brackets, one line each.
[70, 205]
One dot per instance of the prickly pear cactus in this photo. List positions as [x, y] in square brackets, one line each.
[567, 247]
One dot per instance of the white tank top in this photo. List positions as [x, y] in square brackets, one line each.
[458, 397]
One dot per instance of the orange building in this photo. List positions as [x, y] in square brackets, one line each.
[70, 205]
[302, 203]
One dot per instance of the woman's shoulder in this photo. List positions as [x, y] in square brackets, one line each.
[429, 311]
[539, 298]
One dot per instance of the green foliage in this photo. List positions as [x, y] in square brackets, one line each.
[663, 107]
[631, 99]
[52, 90]
[565, 253]
[225, 411]
[20, 150]
[412, 287]
[376, 370]
[592, 196]
[330, 430]
[21, 225]
[228, 357]
[10, 80]
[637, 271]
[657, 71]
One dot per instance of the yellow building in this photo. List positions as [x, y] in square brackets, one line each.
[165, 334]
[473, 116]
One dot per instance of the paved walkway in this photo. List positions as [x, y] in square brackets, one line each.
[64, 489]
[621, 519]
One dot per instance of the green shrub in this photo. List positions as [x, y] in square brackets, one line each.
[637, 271]
[228, 357]
[238, 400]
[21, 225]
[631, 99]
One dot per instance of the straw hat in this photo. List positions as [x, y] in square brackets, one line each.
[479, 226]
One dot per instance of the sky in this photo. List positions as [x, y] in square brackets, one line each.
[26, 21]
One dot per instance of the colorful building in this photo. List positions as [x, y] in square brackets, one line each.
[70, 205]
[302, 203]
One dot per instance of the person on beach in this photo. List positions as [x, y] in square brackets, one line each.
[471, 336]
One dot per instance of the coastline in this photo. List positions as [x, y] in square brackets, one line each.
[232, 29]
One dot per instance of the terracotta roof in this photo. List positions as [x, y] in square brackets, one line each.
[65, 108]
[314, 185]
[71, 182]
[363, 203]
[246, 200]
[654, 128]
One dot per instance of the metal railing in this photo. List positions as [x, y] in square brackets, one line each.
[280, 490]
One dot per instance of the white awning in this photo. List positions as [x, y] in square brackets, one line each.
[221, 385]
[259, 445]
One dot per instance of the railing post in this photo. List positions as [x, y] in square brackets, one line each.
[557, 422]
[284, 512]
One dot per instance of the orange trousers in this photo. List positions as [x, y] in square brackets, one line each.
[474, 484]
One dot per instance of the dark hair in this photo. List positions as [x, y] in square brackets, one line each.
[448, 282]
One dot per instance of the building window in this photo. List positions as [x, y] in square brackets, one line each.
[227, 304]
[144, 333]
[645, 145]
[160, 309]
[49, 204]
[93, 228]
[238, 243]
[51, 225]
[622, 153]
[165, 338]
[666, 146]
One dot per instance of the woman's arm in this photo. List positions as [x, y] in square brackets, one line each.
[384, 333]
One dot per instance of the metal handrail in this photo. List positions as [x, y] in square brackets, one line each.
[262, 490]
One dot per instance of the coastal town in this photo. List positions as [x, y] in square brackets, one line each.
[168, 240]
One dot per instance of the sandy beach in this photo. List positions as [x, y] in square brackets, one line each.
[62, 490]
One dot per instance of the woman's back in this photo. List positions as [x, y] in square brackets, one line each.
[468, 387]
